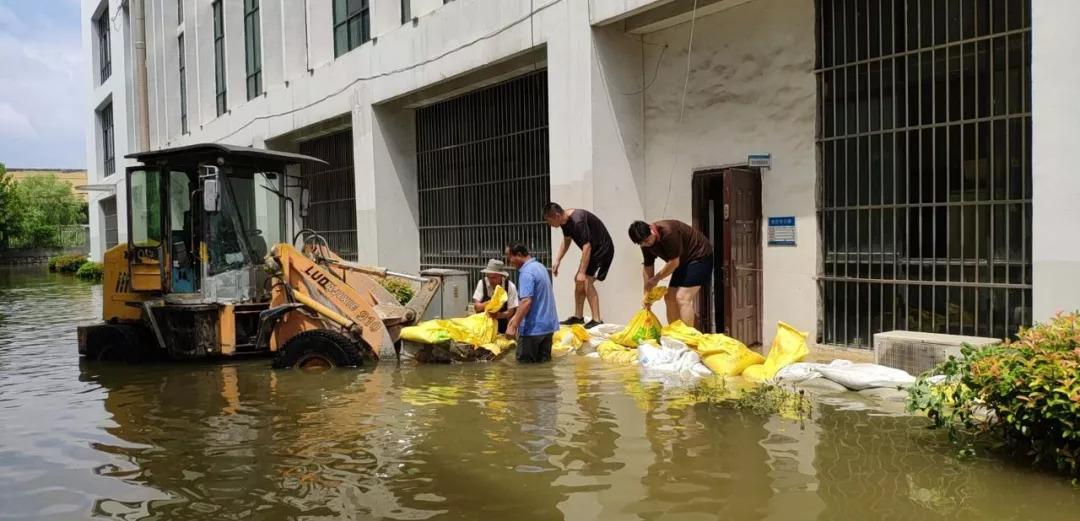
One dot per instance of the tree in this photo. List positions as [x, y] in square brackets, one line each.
[7, 203]
[41, 205]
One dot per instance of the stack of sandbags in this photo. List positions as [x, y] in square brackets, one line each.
[788, 347]
[568, 339]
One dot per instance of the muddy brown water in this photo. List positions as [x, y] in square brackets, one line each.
[574, 439]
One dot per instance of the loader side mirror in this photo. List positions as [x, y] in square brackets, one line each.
[305, 200]
[211, 199]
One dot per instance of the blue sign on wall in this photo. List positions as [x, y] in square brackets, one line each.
[781, 231]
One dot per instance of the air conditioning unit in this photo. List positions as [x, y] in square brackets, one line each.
[917, 353]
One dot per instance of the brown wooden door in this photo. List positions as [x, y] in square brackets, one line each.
[742, 265]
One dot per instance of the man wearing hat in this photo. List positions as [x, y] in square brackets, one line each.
[495, 275]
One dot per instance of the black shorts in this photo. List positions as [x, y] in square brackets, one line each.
[599, 265]
[532, 349]
[692, 274]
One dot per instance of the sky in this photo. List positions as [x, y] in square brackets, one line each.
[43, 80]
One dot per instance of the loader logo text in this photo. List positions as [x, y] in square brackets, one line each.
[332, 290]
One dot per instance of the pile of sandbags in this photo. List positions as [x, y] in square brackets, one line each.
[451, 337]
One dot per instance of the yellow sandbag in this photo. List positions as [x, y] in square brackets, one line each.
[755, 373]
[478, 329]
[726, 356]
[609, 351]
[430, 332]
[568, 339]
[678, 330]
[498, 300]
[644, 325]
[788, 347]
[501, 344]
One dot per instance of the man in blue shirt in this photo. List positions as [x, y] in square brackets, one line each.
[535, 320]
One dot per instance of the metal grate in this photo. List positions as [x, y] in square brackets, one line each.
[332, 198]
[108, 144]
[483, 167]
[108, 210]
[924, 201]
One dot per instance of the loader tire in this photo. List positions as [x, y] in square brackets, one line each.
[115, 343]
[319, 349]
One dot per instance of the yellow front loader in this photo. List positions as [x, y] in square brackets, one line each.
[209, 270]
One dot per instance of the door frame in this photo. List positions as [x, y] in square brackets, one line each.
[720, 289]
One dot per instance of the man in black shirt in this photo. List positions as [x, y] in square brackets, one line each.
[597, 253]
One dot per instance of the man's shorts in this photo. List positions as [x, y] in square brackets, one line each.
[598, 265]
[532, 349]
[692, 274]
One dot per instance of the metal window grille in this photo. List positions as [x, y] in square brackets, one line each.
[219, 58]
[253, 49]
[352, 25]
[924, 139]
[483, 175]
[108, 210]
[180, 60]
[108, 151]
[104, 47]
[179, 11]
[332, 197]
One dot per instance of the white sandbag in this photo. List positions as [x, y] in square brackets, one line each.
[672, 356]
[593, 354]
[864, 376]
[798, 372]
[700, 369]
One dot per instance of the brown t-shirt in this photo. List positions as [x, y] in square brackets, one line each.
[677, 240]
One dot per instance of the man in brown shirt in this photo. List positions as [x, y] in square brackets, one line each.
[689, 263]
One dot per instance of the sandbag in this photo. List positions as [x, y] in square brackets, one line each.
[682, 332]
[610, 351]
[501, 345]
[478, 329]
[726, 356]
[644, 325]
[755, 373]
[671, 356]
[788, 346]
[568, 339]
[865, 376]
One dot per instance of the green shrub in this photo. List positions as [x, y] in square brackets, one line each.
[90, 271]
[66, 263]
[1023, 395]
[400, 289]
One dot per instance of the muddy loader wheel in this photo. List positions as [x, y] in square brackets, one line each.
[319, 349]
[115, 343]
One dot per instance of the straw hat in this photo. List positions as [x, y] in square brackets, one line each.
[495, 267]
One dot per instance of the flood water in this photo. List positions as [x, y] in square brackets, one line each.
[576, 439]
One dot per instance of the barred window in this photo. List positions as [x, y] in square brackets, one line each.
[180, 59]
[219, 58]
[352, 25]
[252, 48]
[108, 151]
[104, 46]
[924, 204]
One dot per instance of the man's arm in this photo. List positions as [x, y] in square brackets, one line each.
[586, 254]
[647, 272]
[479, 306]
[519, 315]
[666, 271]
[558, 258]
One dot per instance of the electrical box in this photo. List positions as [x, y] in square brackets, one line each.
[454, 295]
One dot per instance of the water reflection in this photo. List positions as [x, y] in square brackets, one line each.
[576, 439]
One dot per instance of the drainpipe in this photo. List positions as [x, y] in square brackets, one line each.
[142, 104]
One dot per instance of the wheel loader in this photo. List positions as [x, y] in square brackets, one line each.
[212, 268]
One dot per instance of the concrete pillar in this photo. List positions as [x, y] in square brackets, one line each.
[1055, 187]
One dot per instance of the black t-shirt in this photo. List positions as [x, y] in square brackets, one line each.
[585, 228]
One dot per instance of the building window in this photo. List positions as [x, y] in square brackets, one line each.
[108, 151]
[219, 58]
[179, 11]
[180, 59]
[104, 47]
[352, 25]
[406, 11]
[924, 202]
[252, 48]
[112, 230]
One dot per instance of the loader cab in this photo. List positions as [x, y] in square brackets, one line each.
[202, 218]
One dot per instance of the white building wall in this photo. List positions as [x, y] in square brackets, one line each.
[1055, 185]
[751, 90]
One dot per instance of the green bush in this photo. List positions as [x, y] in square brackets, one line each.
[67, 263]
[1023, 395]
[400, 289]
[90, 271]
